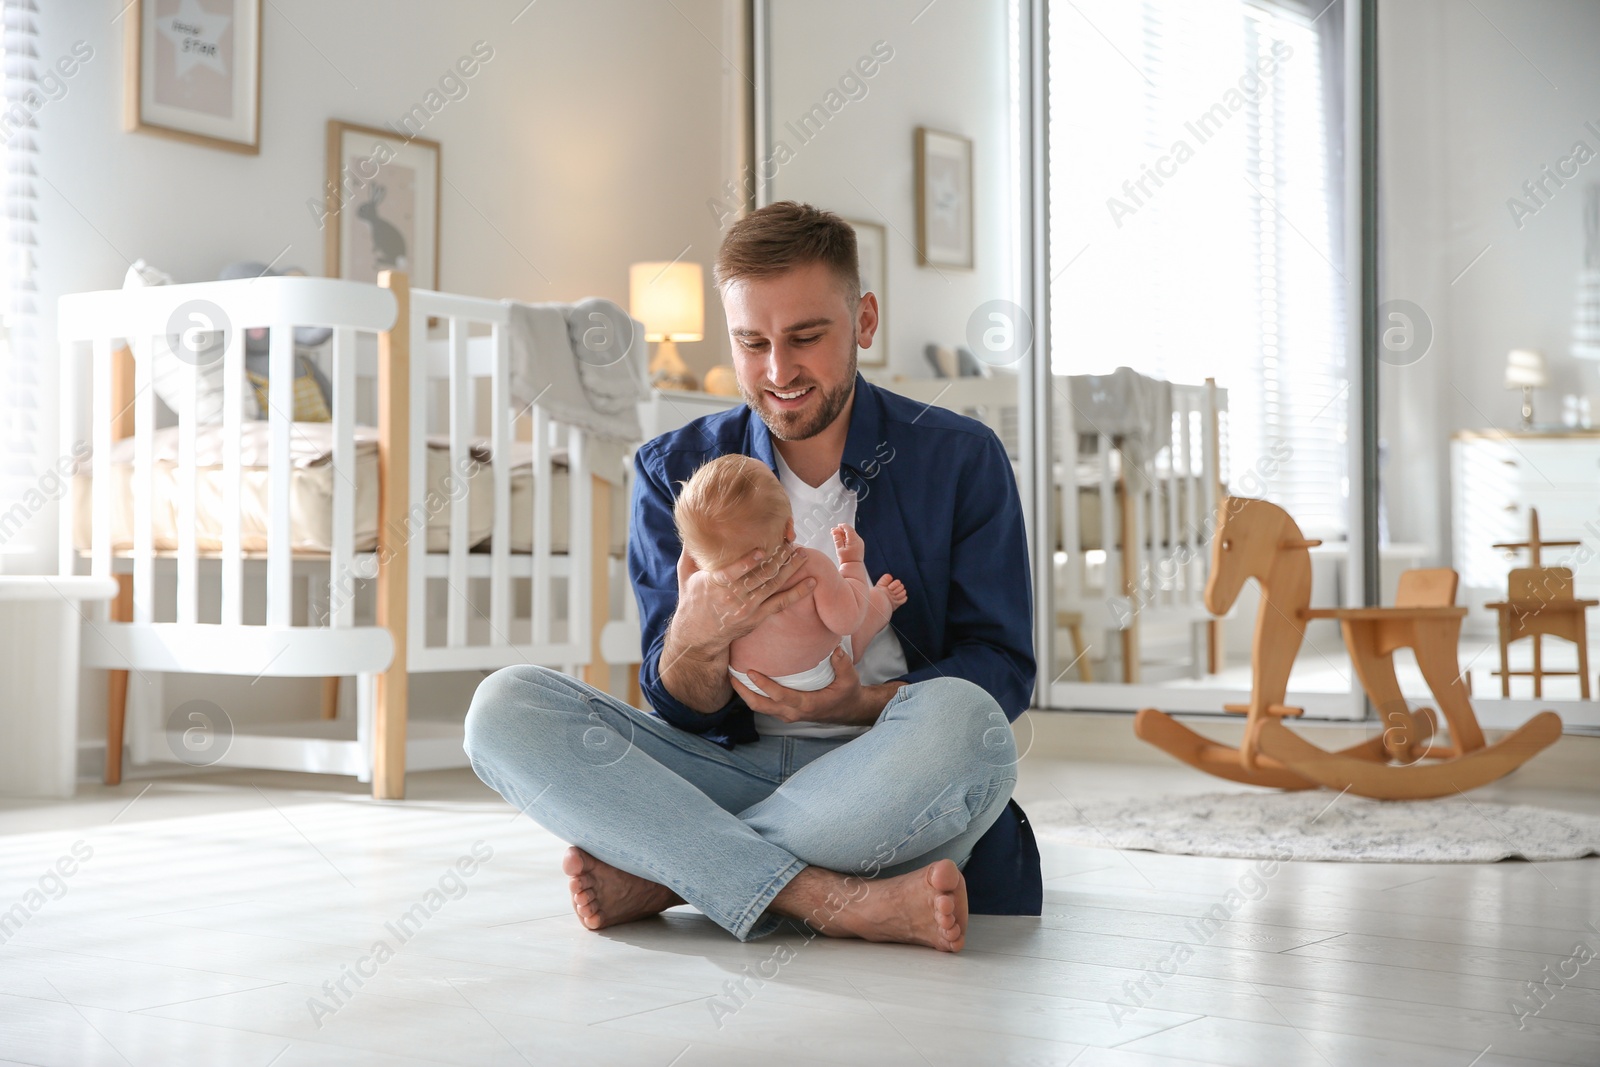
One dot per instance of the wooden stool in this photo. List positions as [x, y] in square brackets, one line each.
[1541, 603]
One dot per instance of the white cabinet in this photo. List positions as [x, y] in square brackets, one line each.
[1496, 477]
[40, 623]
[670, 409]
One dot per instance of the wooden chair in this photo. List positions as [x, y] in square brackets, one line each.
[1256, 539]
[1540, 603]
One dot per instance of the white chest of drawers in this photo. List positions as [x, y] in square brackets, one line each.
[671, 409]
[1496, 477]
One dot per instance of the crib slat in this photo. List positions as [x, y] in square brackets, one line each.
[1148, 544]
[100, 465]
[341, 577]
[1211, 449]
[1170, 507]
[188, 591]
[580, 494]
[144, 430]
[232, 473]
[280, 423]
[541, 606]
[1070, 506]
[414, 506]
[1186, 466]
[66, 510]
[1109, 510]
[460, 411]
[500, 444]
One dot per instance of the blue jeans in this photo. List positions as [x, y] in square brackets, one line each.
[727, 830]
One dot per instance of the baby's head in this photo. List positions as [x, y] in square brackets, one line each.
[730, 507]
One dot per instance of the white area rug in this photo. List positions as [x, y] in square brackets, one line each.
[1321, 825]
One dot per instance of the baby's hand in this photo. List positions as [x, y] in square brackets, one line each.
[895, 588]
[848, 544]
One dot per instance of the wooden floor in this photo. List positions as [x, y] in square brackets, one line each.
[233, 919]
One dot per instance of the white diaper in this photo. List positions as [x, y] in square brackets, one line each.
[818, 677]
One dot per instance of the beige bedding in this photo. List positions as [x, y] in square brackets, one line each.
[1089, 528]
[311, 494]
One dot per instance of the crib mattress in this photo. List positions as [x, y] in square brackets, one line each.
[311, 494]
[1176, 493]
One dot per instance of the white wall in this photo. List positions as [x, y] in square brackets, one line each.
[591, 139]
[949, 71]
[1467, 115]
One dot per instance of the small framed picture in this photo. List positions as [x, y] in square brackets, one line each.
[382, 205]
[944, 199]
[872, 250]
[192, 71]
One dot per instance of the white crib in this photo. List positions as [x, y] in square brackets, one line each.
[1154, 509]
[424, 614]
[1133, 527]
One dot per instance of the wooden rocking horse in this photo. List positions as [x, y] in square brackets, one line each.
[1256, 539]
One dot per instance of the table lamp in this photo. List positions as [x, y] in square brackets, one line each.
[669, 298]
[1525, 370]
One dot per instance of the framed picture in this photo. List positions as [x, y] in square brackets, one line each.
[192, 71]
[382, 209]
[944, 199]
[872, 249]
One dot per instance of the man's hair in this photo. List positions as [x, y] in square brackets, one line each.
[780, 237]
[730, 505]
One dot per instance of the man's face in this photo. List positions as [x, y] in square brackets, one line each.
[794, 347]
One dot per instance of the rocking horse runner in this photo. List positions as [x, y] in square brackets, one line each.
[1256, 539]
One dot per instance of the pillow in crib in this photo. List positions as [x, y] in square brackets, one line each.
[194, 342]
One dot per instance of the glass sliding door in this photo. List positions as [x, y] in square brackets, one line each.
[1489, 380]
[1198, 346]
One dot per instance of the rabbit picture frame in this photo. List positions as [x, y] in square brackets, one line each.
[381, 204]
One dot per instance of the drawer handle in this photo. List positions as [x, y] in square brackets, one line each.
[1509, 462]
[1511, 507]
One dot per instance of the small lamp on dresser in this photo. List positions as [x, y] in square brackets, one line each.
[669, 298]
[1525, 370]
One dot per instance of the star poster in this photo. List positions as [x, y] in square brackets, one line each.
[197, 75]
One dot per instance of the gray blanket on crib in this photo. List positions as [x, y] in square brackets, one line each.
[583, 363]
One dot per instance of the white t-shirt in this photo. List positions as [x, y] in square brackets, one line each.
[817, 510]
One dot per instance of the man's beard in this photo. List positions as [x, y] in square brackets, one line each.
[800, 425]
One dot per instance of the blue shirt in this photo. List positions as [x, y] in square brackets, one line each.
[937, 505]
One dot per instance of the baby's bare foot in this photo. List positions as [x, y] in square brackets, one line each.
[895, 588]
[604, 895]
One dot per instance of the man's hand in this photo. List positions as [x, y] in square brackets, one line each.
[716, 609]
[720, 607]
[844, 701]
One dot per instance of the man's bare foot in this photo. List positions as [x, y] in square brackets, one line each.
[895, 588]
[604, 895]
[925, 907]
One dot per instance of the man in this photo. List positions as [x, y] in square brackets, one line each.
[878, 807]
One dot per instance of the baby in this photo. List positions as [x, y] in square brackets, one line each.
[734, 505]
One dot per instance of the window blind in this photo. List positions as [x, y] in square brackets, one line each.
[1195, 224]
[21, 426]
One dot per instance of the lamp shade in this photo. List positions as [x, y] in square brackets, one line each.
[669, 298]
[1525, 369]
